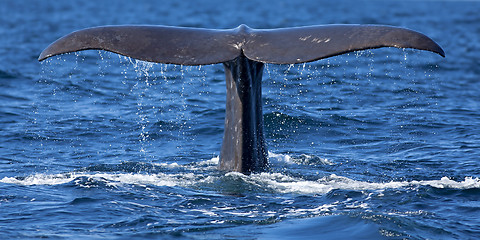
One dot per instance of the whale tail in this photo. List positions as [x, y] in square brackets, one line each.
[194, 46]
[243, 52]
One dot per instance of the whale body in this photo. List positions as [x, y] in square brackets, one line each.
[243, 51]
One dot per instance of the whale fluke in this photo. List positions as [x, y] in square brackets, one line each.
[194, 46]
[243, 51]
[307, 44]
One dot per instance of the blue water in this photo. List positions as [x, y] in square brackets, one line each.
[380, 144]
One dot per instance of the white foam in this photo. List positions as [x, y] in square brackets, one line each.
[287, 184]
[280, 157]
[302, 159]
[168, 165]
[212, 161]
[314, 211]
[110, 179]
[276, 182]
[40, 179]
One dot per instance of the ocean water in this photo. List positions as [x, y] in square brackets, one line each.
[378, 144]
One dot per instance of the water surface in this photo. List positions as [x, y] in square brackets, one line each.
[379, 144]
